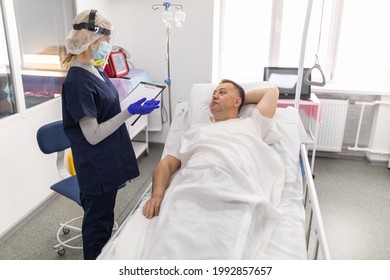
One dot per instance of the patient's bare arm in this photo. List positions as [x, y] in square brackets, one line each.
[161, 177]
[265, 98]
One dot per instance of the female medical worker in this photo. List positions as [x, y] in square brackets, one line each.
[94, 123]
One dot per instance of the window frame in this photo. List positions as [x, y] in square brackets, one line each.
[13, 46]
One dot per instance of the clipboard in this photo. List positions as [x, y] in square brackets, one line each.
[143, 89]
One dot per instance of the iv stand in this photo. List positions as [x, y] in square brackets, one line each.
[168, 26]
[168, 79]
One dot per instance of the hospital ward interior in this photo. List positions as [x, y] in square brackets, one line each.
[319, 180]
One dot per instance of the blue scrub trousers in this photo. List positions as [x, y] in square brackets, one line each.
[98, 222]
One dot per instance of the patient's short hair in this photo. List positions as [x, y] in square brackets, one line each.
[239, 88]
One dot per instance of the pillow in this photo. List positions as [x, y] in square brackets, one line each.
[199, 110]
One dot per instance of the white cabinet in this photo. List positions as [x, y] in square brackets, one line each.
[124, 86]
[140, 125]
[311, 115]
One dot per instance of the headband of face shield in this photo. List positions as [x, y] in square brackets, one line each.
[88, 27]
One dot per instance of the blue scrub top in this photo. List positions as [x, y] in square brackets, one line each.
[109, 164]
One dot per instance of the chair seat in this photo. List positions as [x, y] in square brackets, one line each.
[69, 188]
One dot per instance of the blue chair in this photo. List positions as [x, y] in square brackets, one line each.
[52, 139]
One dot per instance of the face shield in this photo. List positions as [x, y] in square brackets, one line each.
[101, 50]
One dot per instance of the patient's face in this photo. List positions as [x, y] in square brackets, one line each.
[225, 101]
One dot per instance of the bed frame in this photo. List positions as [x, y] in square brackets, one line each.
[316, 241]
[315, 238]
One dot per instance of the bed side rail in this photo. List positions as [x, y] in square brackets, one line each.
[316, 240]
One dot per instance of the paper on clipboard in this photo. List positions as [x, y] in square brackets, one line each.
[143, 89]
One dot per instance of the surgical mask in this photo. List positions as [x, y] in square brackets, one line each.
[100, 55]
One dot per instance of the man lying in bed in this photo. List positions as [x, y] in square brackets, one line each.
[221, 202]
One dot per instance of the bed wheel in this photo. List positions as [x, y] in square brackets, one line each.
[61, 251]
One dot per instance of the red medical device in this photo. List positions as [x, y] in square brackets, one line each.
[117, 66]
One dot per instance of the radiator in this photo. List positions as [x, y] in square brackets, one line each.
[332, 125]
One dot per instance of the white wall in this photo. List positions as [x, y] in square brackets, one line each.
[380, 133]
[100, 5]
[140, 31]
[26, 173]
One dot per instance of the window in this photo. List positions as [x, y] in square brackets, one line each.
[245, 38]
[353, 48]
[256, 34]
[293, 20]
[42, 28]
[364, 46]
[7, 97]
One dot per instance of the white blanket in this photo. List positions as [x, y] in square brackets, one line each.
[220, 205]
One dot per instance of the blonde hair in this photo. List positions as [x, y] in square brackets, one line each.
[67, 60]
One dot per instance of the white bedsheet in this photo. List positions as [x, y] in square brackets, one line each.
[288, 239]
[247, 237]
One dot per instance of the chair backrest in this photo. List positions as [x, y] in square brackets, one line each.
[52, 138]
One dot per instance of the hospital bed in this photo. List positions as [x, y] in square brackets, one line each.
[299, 234]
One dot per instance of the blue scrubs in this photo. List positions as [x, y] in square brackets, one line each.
[100, 168]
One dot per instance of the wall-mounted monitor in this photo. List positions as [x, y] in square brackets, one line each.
[286, 78]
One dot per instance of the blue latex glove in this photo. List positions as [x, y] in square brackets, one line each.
[145, 108]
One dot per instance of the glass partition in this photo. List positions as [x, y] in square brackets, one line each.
[42, 28]
[7, 96]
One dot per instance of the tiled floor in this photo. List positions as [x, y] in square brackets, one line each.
[354, 198]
